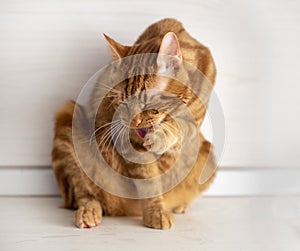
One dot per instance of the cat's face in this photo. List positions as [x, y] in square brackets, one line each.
[144, 102]
[144, 108]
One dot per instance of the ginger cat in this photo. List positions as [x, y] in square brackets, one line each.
[79, 191]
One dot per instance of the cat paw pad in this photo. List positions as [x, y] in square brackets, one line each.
[86, 217]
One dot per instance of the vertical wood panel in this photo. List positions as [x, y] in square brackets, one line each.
[49, 49]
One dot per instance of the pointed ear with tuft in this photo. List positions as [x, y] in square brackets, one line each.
[118, 50]
[169, 47]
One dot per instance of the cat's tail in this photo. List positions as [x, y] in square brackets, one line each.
[208, 173]
[161, 28]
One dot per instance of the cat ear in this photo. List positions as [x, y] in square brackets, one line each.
[169, 47]
[118, 50]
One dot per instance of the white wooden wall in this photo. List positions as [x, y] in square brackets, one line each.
[49, 49]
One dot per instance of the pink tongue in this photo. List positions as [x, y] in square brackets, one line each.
[141, 132]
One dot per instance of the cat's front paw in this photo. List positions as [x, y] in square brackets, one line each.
[158, 219]
[87, 217]
[155, 142]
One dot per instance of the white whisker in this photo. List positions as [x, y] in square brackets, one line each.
[110, 138]
[107, 124]
[121, 130]
[107, 133]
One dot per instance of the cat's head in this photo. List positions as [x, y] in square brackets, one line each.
[144, 100]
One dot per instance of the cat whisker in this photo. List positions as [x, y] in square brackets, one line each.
[107, 134]
[124, 143]
[93, 136]
[114, 131]
[121, 132]
[107, 124]
[117, 131]
[104, 138]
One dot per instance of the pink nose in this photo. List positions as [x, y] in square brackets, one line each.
[136, 121]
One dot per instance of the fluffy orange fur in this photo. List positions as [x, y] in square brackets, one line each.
[166, 37]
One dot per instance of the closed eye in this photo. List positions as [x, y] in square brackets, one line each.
[153, 111]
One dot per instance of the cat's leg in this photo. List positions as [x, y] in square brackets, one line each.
[155, 215]
[73, 183]
[88, 214]
[74, 191]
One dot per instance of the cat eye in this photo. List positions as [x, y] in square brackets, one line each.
[154, 111]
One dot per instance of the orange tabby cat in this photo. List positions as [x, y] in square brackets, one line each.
[79, 191]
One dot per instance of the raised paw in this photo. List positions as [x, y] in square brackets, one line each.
[87, 217]
[155, 142]
[158, 219]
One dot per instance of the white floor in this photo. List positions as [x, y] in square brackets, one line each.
[239, 223]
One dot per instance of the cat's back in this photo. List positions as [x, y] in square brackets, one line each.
[160, 28]
[192, 50]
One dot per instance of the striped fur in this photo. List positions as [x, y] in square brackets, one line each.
[80, 193]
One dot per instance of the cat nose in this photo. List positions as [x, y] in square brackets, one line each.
[136, 121]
